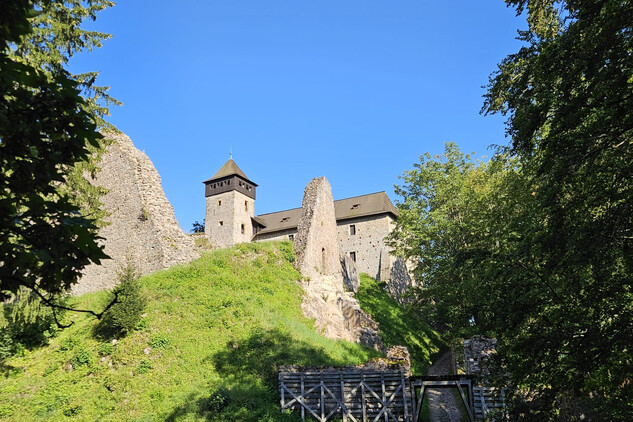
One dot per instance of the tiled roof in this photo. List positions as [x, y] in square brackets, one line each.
[228, 169]
[358, 206]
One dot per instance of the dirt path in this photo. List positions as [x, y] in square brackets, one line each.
[442, 404]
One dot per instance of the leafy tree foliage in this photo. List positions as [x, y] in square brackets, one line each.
[537, 250]
[198, 227]
[46, 128]
[569, 98]
[56, 35]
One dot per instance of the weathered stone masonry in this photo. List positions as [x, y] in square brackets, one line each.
[143, 227]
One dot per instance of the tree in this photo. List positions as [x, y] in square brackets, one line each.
[56, 35]
[568, 95]
[459, 219]
[46, 128]
[198, 227]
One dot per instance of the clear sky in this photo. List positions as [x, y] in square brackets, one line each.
[354, 90]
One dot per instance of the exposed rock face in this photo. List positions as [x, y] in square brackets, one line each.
[399, 281]
[351, 281]
[337, 313]
[143, 227]
[316, 242]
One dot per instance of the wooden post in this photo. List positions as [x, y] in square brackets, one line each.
[322, 401]
[303, 400]
[362, 392]
[384, 396]
[404, 396]
[343, 407]
[471, 417]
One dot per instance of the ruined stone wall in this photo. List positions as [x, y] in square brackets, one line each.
[228, 218]
[142, 227]
[368, 243]
[316, 242]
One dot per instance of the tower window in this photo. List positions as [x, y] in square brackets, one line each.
[353, 256]
[243, 228]
[245, 205]
[352, 229]
[291, 237]
[219, 203]
[220, 223]
[355, 206]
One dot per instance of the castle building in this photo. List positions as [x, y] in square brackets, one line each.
[363, 221]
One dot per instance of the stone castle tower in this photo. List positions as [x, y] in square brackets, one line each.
[230, 206]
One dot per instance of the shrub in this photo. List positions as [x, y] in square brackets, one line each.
[126, 313]
[83, 357]
[145, 366]
[6, 345]
[25, 323]
[158, 341]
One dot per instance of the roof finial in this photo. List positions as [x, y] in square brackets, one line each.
[230, 152]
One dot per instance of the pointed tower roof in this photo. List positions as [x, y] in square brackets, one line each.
[229, 169]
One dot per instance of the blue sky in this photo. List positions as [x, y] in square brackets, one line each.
[352, 90]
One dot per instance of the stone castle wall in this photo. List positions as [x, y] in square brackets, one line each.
[143, 227]
[372, 254]
[228, 218]
[368, 243]
[280, 235]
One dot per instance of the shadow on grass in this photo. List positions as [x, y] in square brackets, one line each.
[249, 368]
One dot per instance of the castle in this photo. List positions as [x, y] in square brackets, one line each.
[363, 221]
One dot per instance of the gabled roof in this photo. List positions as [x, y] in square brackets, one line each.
[229, 169]
[357, 206]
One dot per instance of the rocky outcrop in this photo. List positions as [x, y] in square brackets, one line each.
[399, 282]
[351, 281]
[336, 313]
[316, 242]
[143, 227]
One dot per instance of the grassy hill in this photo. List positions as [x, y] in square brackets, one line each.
[208, 348]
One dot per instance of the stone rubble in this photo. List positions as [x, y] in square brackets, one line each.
[477, 352]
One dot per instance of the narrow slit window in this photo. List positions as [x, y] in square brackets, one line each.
[291, 237]
[353, 256]
[243, 228]
[220, 223]
[219, 203]
[245, 205]
[352, 229]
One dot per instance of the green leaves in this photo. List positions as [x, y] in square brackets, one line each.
[46, 128]
[569, 102]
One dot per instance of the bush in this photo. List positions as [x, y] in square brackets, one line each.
[25, 323]
[126, 313]
[6, 345]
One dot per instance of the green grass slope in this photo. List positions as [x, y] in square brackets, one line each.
[208, 348]
[399, 325]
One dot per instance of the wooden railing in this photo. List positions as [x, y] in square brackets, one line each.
[354, 395]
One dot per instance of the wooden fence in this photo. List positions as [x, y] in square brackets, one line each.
[351, 395]
[487, 401]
